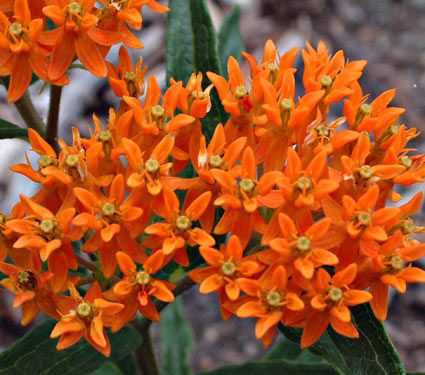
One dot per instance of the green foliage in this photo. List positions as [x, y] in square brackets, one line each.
[285, 349]
[191, 48]
[281, 367]
[372, 353]
[36, 353]
[176, 340]
[230, 39]
[9, 130]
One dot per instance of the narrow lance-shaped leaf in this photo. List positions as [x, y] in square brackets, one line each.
[372, 353]
[176, 341]
[179, 57]
[230, 39]
[9, 130]
[36, 353]
[206, 59]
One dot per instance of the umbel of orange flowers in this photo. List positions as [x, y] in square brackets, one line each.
[309, 201]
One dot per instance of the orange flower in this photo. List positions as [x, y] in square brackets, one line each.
[236, 100]
[32, 289]
[148, 174]
[76, 33]
[242, 199]
[118, 16]
[138, 287]
[45, 232]
[330, 305]
[86, 317]
[48, 172]
[217, 155]
[154, 118]
[127, 80]
[6, 6]
[361, 221]
[301, 250]
[330, 73]
[305, 187]
[177, 230]
[391, 270]
[20, 53]
[269, 300]
[114, 221]
[225, 267]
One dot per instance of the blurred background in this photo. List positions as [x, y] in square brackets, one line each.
[388, 33]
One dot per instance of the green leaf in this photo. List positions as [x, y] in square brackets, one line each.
[192, 47]
[109, 368]
[179, 57]
[9, 130]
[36, 353]
[176, 340]
[206, 59]
[230, 39]
[285, 349]
[280, 367]
[372, 353]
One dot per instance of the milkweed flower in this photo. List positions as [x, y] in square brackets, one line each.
[85, 317]
[138, 287]
[332, 298]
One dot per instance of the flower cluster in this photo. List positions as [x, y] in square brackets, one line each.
[307, 226]
[44, 37]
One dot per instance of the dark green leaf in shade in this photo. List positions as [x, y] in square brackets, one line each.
[36, 353]
[176, 340]
[372, 353]
[230, 39]
[9, 130]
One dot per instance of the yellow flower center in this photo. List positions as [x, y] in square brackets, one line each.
[74, 8]
[183, 222]
[45, 161]
[158, 112]
[241, 92]
[108, 209]
[286, 104]
[406, 161]
[304, 184]
[71, 160]
[303, 244]
[247, 185]
[198, 94]
[130, 76]
[335, 294]
[47, 226]
[142, 278]
[366, 172]
[16, 29]
[397, 262]
[105, 136]
[27, 280]
[152, 165]
[322, 130]
[365, 109]
[273, 298]
[273, 72]
[363, 218]
[326, 81]
[228, 268]
[216, 161]
[84, 310]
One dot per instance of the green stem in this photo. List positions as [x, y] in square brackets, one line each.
[145, 354]
[28, 112]
[53, 118]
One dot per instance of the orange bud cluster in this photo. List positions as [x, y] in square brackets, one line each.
[306, 199]
[29, 44]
